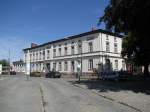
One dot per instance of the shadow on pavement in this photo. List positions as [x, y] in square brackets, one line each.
[134, 84]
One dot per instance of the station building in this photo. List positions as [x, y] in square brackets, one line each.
[87, 50]
[18, 66]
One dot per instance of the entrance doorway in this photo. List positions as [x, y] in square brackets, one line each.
[47, 67]
[72, 66]
[108, 65]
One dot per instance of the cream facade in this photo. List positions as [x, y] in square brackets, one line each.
[19, 66]
[87, 50]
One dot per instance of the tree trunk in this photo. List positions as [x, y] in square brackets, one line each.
[146, 71]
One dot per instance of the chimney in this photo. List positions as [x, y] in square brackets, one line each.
[93, 28]
[33, 45]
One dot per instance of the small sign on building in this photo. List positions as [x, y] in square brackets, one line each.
[0, 69]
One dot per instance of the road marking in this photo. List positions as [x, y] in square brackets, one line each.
[43, 99]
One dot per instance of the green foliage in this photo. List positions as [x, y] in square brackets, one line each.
[4, 62]
[126, 15]
[132, 18]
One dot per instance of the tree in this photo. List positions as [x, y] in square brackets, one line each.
[4, 62]
[132, 19]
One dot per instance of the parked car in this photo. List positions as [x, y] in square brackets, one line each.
[53, 74]
[114, 75]
[36, 74]
[5, 72]
[124, 75]
[12, 73]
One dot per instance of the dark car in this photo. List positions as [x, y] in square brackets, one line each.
[115, 75]
[12, 73]
[53, 74]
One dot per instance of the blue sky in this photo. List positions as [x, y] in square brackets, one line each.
[40, 21]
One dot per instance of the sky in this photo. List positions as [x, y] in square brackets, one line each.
[23, 22]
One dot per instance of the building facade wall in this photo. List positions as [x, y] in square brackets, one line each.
[93, 48]
[18, 66]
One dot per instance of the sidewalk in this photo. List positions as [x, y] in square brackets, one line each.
[133, 94]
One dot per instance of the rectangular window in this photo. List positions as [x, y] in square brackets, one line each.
[40, 56]
[48, 67]
[116, 64]
[25, 57]
[79, 48]
[48, 47]
[54, 52]
[107, 37]
[30, 57]
[123, 65]
[90, 64]
[59, 67]
[59, 51]
[33, 57]
[90, 47]
[40, 67]
[72, 50]
[65, 53]
[65, 66]
[107, 47]
[115, 39]
[72, 66]
[115, 48]
[36, 56]
[44, 55]
[48, 53]
[54, 66]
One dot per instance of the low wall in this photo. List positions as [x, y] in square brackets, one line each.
[84, 75]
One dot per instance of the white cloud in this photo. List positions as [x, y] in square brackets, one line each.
[15, 45]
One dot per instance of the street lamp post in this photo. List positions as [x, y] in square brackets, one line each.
[9, 61]
[0, 70]
[79, 66]
[28, 65]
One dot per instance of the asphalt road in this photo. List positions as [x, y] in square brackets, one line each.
[51, 95]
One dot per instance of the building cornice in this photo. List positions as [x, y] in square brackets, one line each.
[77, 36]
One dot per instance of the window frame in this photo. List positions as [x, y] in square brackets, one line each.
[59, 51]
[115, 48]
[48, 53]
[65, 66]
[90, 46]
[90, 64]
[60, 66]
[54, 52]
[116, 65]
[72, 50]
[107, 46]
